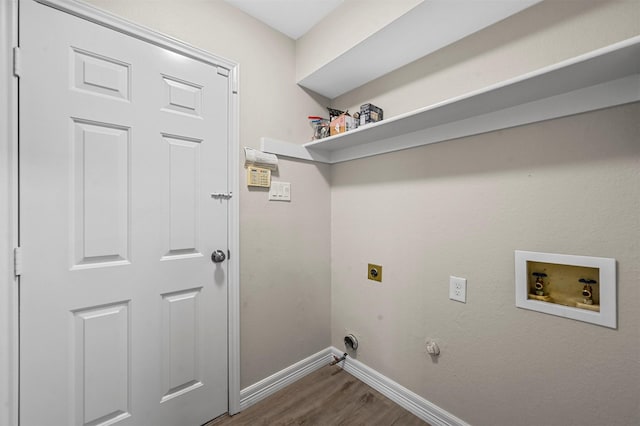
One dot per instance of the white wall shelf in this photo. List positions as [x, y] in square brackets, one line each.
[599, 79]
[429, 21]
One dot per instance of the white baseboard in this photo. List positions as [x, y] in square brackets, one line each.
[402, 396]
[265, 387]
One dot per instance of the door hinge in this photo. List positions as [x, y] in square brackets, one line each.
[17, 261]
[17, 62]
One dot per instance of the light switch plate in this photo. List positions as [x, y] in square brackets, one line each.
[280, 191]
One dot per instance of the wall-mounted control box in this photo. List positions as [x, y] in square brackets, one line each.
[257, 176]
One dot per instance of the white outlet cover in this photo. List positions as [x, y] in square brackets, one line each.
[458, 289]
[280, 191]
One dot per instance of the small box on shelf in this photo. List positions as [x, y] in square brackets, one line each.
[343, 123]
[369, 113]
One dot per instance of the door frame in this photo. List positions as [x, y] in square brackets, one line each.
[8, 215]
[9, 187]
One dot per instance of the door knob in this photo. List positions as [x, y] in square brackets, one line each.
[218, 256]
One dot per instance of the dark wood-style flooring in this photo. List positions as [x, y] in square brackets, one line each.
[326, 397]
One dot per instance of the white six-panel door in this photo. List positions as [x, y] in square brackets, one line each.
[123, 315]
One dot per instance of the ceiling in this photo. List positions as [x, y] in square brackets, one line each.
[291, 17]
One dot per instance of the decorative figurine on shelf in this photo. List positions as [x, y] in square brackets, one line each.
[539, 284]
[587, 290]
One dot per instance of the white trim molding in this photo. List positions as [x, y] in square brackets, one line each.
[8, 215]
[397, 393]
[116, 23]
[402, 396]
[233, 267]
[283, 378]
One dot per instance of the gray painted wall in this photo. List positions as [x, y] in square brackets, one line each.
[462, 207]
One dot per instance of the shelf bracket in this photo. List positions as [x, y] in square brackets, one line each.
[287, 149]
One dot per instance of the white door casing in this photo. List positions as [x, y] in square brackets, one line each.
[8, 215]
[124, 317]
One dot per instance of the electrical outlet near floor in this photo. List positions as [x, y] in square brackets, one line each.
[458, 289]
